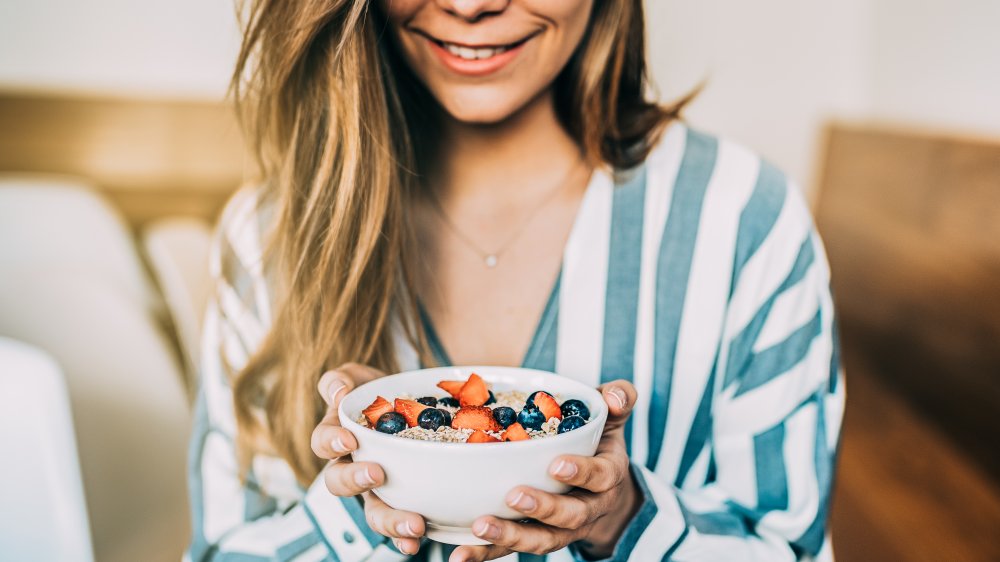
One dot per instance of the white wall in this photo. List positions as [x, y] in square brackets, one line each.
[166, 48]
[775, 70]
[937, 64]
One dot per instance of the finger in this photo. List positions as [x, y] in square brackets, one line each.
[566, 511]
[360, 374]
[332, 441]
[345, 479]
[612, 445]
[522, 537]
[407, 546]
[337, 382]
[620, 396]
[596, 474]
[332, 386]
[392, 522]
[478, 553]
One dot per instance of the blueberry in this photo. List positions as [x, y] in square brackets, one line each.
[492, 399]
[531, 418]
[448, 401]
[447, 418]
[574, 407]
[428, 401]
[390, 422]
[431, 419]
[570, 423]
[505, 416]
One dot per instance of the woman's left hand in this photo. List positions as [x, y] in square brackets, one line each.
[596, 511]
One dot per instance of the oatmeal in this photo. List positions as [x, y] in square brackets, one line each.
[473, 413]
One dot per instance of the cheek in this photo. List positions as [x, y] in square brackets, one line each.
[570, 19]
[399, 10]
[570, 15]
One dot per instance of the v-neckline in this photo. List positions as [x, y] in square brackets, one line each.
[543, 329]
[546, 321]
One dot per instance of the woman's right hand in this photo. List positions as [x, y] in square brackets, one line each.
[345, 478]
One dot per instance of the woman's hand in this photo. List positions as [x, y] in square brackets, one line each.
[345, 478]
[595, 512]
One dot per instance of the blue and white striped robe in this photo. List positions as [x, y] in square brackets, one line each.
[699, 277]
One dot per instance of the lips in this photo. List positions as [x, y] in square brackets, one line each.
[477, 51]
[475, 59]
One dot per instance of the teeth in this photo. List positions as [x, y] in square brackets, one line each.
[473, 54]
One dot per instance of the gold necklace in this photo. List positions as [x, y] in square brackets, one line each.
[491, 259]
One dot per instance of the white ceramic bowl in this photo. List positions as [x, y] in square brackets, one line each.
[452, 484]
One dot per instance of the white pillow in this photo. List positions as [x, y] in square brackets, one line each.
[177, 252]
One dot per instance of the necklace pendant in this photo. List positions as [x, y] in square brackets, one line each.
[491, 261]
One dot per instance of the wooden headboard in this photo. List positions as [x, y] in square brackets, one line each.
[151, 158]
[912, 227]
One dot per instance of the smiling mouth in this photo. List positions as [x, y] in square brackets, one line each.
[476, 52]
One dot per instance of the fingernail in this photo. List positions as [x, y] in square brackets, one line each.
[400, 546]
[335, 390]
[565, 469]
[523, 502]
[619, 396]
[338, 445]
[404, 528]
[364, 479]
[487, 530]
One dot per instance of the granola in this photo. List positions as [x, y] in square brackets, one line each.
[473, 413]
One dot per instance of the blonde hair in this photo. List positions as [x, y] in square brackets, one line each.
[320, 93]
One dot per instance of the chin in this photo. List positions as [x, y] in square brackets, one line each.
[481, 109]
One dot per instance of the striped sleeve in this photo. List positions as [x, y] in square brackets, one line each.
[234, 519]
[775, 411]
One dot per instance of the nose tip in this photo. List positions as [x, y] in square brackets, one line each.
[473, 10]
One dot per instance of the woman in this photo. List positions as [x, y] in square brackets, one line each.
[485, 177]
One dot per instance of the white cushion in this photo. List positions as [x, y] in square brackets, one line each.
[43, 511]
[60, 225]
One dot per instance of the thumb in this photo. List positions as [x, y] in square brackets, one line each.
[620, 397]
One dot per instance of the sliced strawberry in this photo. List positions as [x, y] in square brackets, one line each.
[480, 436]
[410, 409]
[548, 406]
[475, 417]
[374, 411]
[451, 387]
[515, 432]
[474, 392]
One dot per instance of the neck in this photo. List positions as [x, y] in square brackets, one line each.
[524, 154]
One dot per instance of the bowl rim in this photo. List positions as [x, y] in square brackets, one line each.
[596, 418]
